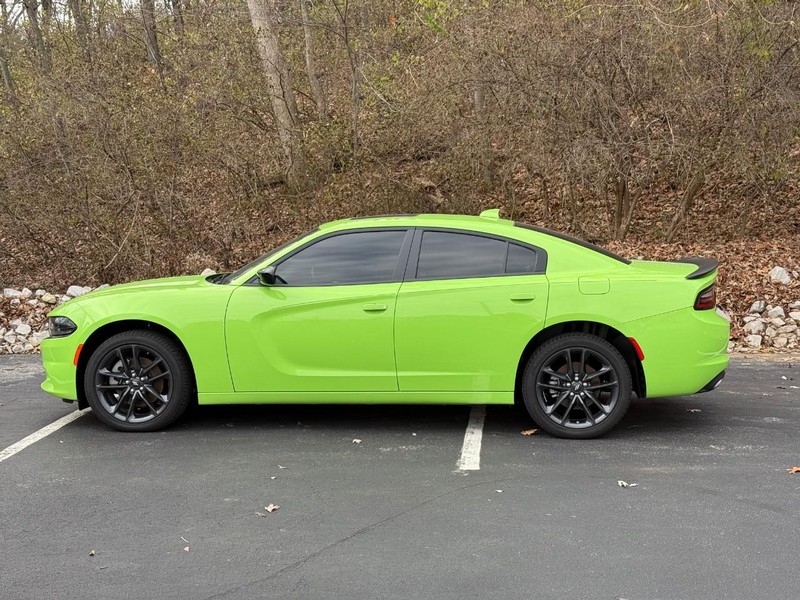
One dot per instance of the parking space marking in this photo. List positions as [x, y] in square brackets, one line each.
[42, 433]
[471, 450]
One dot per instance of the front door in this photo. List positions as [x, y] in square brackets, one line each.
[327, 324]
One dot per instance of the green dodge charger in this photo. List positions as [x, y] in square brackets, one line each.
[438, 309]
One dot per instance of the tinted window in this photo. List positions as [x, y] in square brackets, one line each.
[365, 257]
[447, 255]
[521, 259]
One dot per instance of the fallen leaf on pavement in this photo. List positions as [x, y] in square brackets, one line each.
[529, 432]
[281, 467]
[270, 508]
[91, 552]
[186, 548]
[694, 410]
[356, 441]
[273, 477]
[625, 484]
[794, 470]
[499, 491]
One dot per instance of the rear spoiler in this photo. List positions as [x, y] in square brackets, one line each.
[704, 266]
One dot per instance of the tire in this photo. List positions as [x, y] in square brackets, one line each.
[581, 397]
[154, 386]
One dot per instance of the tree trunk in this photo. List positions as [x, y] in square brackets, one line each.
[695, 186]
[284, 106]
[8, 80]
[177, 17]
[311, 67]
[39, 44]
[151, 38]
[486, 157]
[81, 27]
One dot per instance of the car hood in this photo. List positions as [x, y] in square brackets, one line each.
[184, 281]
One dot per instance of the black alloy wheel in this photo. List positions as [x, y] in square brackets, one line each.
[577, 386]
[138, 381]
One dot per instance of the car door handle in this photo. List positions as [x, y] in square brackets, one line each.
[522, 297]
[373, 307]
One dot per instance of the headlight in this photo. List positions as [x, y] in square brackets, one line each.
[60, 326]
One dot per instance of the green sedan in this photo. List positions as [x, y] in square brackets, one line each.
[422, 309]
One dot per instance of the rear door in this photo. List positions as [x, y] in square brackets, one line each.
[469, 305]
[327, 325]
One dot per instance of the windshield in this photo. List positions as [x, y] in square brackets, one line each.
[254, 263]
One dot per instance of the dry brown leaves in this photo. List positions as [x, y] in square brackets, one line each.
[793, 470]
[529, 432]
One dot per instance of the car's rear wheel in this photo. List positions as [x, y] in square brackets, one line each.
[576, 386]
[138, 381]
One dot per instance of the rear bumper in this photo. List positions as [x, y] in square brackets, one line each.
[685, 351]
[712, 385]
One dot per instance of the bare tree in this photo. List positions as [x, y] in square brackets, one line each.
[81, 27]
[151, 38]
[177, 16]
[43, 52]
[342, 14]
[284, 105]
[311, 66]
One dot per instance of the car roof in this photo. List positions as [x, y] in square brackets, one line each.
[421, 219]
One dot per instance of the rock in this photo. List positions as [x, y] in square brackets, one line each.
[758, 307]
[74, 291]
[24, 329]
[64, 299]
[750, 318]
[795, 316]
[15, 302]
[26, 293]
[779, 275]
[207, 271]
[754, 327]
[39, 336]
[102, 287]
[753, 340]
[787, 329]
[771, 332]
[17, 349]
[39, 293]
[32, 302]
[48, 299]
[777, 322]
[776, 313]
[11, 293]
[10, 337]
[780, 342]
[794, 305]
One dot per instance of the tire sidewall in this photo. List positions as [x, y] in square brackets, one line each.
[172, 355]
[576, 340]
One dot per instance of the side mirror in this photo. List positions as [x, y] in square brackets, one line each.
[267, 276]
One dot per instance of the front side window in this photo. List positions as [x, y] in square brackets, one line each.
[350, 258]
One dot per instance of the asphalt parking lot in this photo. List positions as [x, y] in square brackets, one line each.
[181, 513]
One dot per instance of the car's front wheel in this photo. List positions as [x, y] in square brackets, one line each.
[138, 381]
[577, 386]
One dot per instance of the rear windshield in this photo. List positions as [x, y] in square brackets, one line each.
[574, 240]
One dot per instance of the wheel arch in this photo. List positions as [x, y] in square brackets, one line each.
[612, 335]
[104, 332]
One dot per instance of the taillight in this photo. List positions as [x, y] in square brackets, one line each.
[707, 299]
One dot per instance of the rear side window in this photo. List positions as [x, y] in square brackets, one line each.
[521, 259]
[362, 257]
[449, 255]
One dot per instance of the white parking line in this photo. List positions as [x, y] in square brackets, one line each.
[471, 450]
[42, 433]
